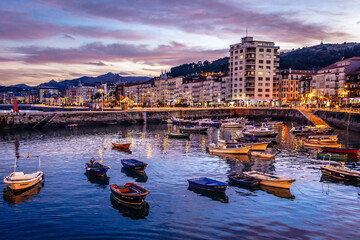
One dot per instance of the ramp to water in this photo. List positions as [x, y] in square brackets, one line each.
[313, 118]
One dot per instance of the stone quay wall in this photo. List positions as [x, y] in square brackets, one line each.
[343, 120]
[61, 119]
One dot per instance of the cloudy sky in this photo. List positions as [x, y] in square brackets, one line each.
[41, 40]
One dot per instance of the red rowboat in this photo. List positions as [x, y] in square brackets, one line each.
[122, 145]
[340, 150]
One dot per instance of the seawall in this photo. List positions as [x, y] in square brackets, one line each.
[60, 119]
[341, 120]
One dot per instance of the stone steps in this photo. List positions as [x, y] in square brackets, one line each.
[313, 118]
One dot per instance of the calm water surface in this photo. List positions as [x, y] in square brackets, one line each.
[69, 205]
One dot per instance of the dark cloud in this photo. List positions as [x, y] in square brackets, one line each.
[211, 17]
[96, 52]
[22, 26]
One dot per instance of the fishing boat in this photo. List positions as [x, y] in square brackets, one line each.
[179, 135]
[260, 132]
[274, 123]
[193, 129]
[320, 145]
[322, 141]
[208, 184]
[232, 123]
[329, 156]
[238, 179]
[270, 180]
[322, 137]
[96, 168]
[121, 145]
[262, 154]
[340, 150]
[19, 181]
[301, 129]
[134, 165]
[132, 211]
[257, 146]
[129, 193]
[341, 173]
[237, 149]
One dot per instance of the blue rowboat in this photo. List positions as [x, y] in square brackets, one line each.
[129, 193]
[133, 165]
[242, 180]
[96, 168]
[208, 184]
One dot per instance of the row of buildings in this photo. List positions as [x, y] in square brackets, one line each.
[253, 79]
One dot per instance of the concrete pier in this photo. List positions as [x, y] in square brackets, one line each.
[60, 119]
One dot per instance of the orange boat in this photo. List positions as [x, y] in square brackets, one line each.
[122, 145]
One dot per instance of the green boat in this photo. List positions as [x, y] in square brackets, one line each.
[179, 135]
[329, 156]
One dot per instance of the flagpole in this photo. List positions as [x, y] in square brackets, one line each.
[15, 164]
[39, 162]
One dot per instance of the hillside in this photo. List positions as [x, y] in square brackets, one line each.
[307, 58]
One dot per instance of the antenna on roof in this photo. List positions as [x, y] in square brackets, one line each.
[246, 31]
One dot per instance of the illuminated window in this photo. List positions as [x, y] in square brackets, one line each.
[260, 73]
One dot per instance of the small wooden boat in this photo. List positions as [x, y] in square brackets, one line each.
[262, 154]
[322, 137]
[96, 168]
[19, 181]
[274, 123]
[270, 180]
[208, 184]
[320, 145]
[340, 150]
[341, 173]
[130, 193]
[261, 132]
[242, 180]
[134, 165]
[193, 129]
[238, 149]
[257, 146]
[329, 156]
[179, 135]
[121, 145]
[209, 123]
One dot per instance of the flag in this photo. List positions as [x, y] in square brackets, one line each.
[28, 155]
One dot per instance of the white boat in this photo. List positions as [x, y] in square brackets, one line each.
[229, 149]
[233, 123]
[18, 181]
[260, 132]
[274, 123]
[262, 154]
[270, 180]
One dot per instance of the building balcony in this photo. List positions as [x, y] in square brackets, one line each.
[250, 62]
[249, 68]
[251, 50]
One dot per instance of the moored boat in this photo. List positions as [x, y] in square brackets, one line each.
[320, 145]
[262, 154]
[74, 125]
[129, 193]
[121, 145]
[179, 135]
[208, 184]
[237, 149]
[134, 165]
[329, 156]
[340, 150]
[260, 132]
[341, 173]
[257, 146]
[271, 180]
[243, 180]
[209, 123]
[96, 168]
[19, 181]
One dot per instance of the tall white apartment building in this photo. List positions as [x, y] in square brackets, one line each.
[253, 71]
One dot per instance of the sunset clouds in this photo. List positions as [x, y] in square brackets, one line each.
[142, 37]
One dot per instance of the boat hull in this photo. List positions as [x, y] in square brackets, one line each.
[179, 136]
[340, 150]
[23, 185]
[260, 134]
[137, 167]
[257, 146]
[133, 199]
[249, 182]
[339, 173]
[316, 145]
[230, 150]
[270, 180]
[329, 156]
[278, 184]
[217, 187]
[122, 146]
[99, 171]
[194, 130]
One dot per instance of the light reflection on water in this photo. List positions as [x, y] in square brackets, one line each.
[70, 202]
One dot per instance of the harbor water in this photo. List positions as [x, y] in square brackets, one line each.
[72, 205]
